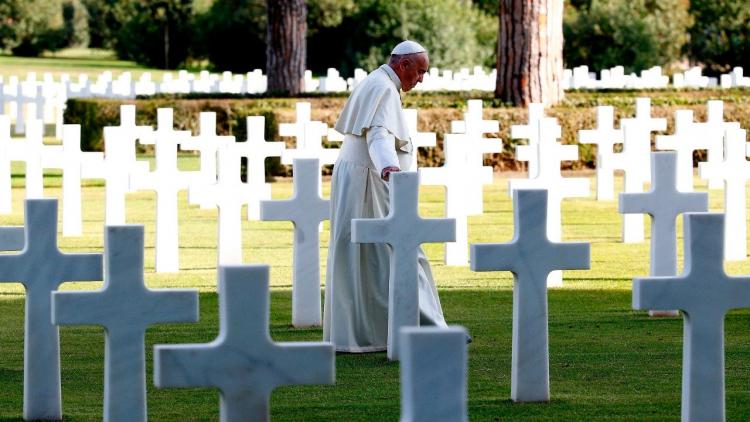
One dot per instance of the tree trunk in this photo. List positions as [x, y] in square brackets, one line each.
[529, 52]
[286, 45]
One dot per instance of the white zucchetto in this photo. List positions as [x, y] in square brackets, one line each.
[408, 47]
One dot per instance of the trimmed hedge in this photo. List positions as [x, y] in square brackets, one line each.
[436, 111]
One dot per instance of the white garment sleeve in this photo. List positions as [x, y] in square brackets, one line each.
[382, 147]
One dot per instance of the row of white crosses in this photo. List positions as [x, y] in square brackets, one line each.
[125, 308]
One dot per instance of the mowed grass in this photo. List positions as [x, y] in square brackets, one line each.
[607, 362]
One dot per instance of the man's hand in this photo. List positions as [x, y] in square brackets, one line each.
[386, 173]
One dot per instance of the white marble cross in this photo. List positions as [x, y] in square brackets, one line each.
[167, 181]
[433, 374]
[455, 175]
[31, 151]
[125, 307]
[243, 362]
[549, 177]
[405, 231]
[6, 196]
[684, 141]
[735, 171]
[474, 127]
[418, 139]
[128, 133]
[635, 161]
[207, 142]
[71, 160]
[531, 256]
[228, 193]
[664, 202]
[712, 132]
[309, 135]
[530, 131]
[255, 149]
[705, 293]
[605, 137]
[41, 268]
[306, 209]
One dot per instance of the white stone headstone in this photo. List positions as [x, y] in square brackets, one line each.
[41, 268]
[309, 135]
[704, 293]
[31, 151]
[549, 177]
[243, 362]
[255, 149]
[306, 209]
[434, 368]
[605, 137]
[529, 131]
[684, 141]
[207, 143]
[712, 133]
[167, 181]
[418, 139]
[734, 170]
[405, 231]
[474, 127]
[125, 307]
[663, 202]
[531, 256]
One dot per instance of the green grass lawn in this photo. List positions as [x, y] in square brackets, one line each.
[607, 362]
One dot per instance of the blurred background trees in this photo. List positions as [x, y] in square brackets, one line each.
[345, 34]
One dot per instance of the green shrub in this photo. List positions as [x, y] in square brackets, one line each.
[28, 28]
[720, 34]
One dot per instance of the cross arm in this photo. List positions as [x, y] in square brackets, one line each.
[276, 210]
[305, 363]
[12, 238]
[176, 305]
[435, 230]
[657, 293]
[186, 365]
[78, 308]
[572, 256]
[81, 267]
[635, 203]
[371, 230]
[493, 257]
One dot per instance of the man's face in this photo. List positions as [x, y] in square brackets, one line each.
[413, 69]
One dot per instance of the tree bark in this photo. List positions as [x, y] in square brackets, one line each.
[529, 52]
[286, 45]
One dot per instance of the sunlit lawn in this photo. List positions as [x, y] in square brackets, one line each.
[606, 360]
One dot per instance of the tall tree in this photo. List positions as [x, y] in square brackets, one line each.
[529, 52]
[286, 45]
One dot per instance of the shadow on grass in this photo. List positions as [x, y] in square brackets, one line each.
[606, 362]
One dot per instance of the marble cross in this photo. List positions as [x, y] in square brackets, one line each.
[41, 268]
[664, 202]
[306, 209]
[167, 181]
[207, 142]
[229, 194]
[71, 160]
[712, 132]
[704, 293]
[125, 307]
[31, 151]
[605, 137]
[129, 133]
[6, 196]
[404, 230]
[433, 374]
[549, 177]
[684, 141]
[418, 139]
[243, 362]
[634, 160]
[455, 175]
[531, 256]
[12, 238]
[735, 171]
[474, 127]
[255, 150]
[309, 135]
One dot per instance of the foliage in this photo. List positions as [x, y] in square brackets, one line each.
[159, 33]
[455, 34]
[720, 34]
[636, 34]
[232, 34]
[75, 18]
[106, 18]
[28, 28]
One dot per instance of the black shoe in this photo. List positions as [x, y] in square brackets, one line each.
[468, 339]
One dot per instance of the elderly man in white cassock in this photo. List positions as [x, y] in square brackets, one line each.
[376, 144]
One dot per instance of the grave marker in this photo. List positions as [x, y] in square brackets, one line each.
[418, 139]
[684, 141]
[125, 307]
[405, 231]
[207, 143]
[6, 196]
[531, 256]
[605, 136]
[243, 362]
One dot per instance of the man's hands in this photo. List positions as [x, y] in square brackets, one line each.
[386, 173]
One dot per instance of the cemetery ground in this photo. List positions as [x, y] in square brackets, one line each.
[606, 360]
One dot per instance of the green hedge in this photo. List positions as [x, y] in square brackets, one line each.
[436, 111]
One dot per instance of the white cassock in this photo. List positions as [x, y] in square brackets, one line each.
[356, 298]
